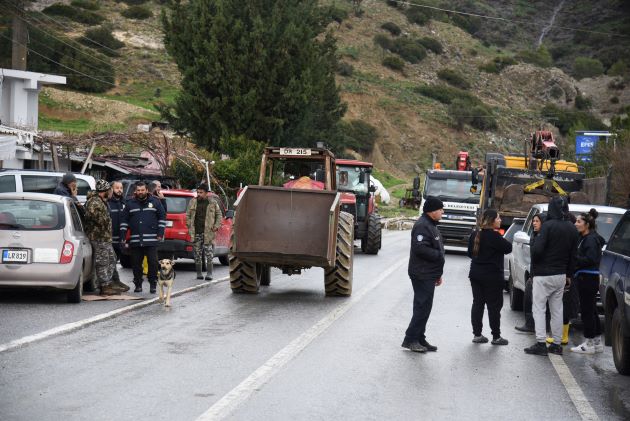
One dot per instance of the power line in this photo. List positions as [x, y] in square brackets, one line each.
[498, 18]
[59, 64]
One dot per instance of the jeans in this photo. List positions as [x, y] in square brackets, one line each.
[423, 291]
[587, 286]
[490, 294]
[548, 289]
[137, 255]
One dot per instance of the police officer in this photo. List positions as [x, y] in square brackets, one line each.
[426, 265]
[116, 206]
[203, 218]
[98, 228]
[145, 217]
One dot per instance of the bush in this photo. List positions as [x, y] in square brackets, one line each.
[582, 102]
[417, 15]
[469, 24]
[619, 68]
[556, 92]
[394, 63]
[497, 64]
[617, 84]
[132, 2]
[74, 13]
[335, 14]
[384, 42]
[567, 120]
[540, 57]
[409, 50]
[392, 28]
[478, 116]
[453, 78]
[394, 4]
[587, 67]
[85, 4]
[614, 100]
[345, 69]
[137, 12]
[359, 135]
[431, 44]
[446, 94]
[102, 39]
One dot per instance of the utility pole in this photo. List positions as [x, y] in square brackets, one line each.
[20, 38]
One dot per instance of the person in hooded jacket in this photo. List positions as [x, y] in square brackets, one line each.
[486, 248]
[553, 263]
[586, 279]
[528, 326]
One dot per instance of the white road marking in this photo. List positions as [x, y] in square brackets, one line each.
[230, 401]
[576, 394]
[69, 327]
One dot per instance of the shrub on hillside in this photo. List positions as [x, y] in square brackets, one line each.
[392, 28]
[383, 41]
[101, 38]
[335, 14]
[470, 24]
[345, 69]
[587, 67]
[132, 2]
[539, 57]
[395, 4]
[556, 92]
[417, 15]
[569, 119]
[74, 13]
[582, 102]
[394, 63]
[453, 78]
[617, 84]
[409, 50]
[497, 64]
[86, 4]
[431, 44]
[614, 100]
[478, 116]
[446, 94]
[619, 68]
[359, 135]
[137, 12]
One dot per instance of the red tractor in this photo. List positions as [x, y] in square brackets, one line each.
[462, 163]
[357, 198]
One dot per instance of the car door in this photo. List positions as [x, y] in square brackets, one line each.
[617, 276]
[85, 249]
[521, 252]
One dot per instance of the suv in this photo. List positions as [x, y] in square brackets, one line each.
[517, 225]
[39, 181]
[615, 292]
[520, 260]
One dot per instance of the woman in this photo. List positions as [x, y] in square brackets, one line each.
[486, 248]
[587, 281]
[528, 327]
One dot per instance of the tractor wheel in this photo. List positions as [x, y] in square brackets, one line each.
[338, 278]
[373, 243]
[265, 275]
[244, 276]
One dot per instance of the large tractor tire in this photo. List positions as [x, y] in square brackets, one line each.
[373, 241]
[244, 276]
[338, 278]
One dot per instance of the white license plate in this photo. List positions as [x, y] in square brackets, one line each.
[169, 224]
[14, 256]
[295, 151]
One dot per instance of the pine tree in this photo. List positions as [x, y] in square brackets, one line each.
[263, 69]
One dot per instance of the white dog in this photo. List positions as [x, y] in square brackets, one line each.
[166, 276]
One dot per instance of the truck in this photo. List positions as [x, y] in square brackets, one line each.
[460, 204]
[292, 220]
[614, 291]
[357, 198]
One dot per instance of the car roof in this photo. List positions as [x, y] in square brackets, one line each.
[179, 192]
[41, 172]
[578, 207]
[35, 196]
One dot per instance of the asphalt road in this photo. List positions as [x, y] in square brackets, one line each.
[291, 353]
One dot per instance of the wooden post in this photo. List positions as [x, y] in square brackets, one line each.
[89, 157]
[40, 160]
[20, 38]
[55, 158]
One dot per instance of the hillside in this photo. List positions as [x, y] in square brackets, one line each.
[408, 107]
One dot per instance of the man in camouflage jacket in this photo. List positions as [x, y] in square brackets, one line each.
[203, 218]
[98, 227]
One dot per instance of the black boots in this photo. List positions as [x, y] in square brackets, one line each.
[528, 326]
[138, 287]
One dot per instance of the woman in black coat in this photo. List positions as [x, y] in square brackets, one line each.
[486, 248]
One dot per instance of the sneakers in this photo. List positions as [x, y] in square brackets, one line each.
[413, 346]
[428, 346]
[588, 347]
[539, 348]
[555, 349]
[499, 341]
[108, 289]
[208, 277]
[199, 276]
[480, 340]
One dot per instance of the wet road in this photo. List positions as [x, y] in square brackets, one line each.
[291, 353]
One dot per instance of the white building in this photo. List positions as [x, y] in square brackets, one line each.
[19, 112]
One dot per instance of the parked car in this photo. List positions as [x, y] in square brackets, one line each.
[177, 242]
[38, 181]
[615, 292]
[517, 225]
[42, 243]
[520, 262]
[129, 184]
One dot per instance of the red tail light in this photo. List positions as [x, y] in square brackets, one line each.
[67, 251]
[501, 231]
[189, 248]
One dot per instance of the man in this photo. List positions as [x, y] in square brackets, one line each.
[155, 189]
[116, 206]
[68, 186]
[145, 217]
[203, 218]
[426, 265]
[98, 227]
[553, 254]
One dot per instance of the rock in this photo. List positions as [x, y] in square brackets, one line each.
[398, 224]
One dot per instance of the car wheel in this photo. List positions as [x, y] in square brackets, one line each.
[620, 343]
[76, 294]
[516, 296]
[224, 260]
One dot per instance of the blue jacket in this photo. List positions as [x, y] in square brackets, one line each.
[426, 257]
[145, 219]
[116, 208]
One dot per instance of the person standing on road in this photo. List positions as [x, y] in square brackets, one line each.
[586, 279]
[145, 217]
[486, 248]
[203, 218]
[426, 265]
[116, 206]
[98, 227]
[553, 262]
[528, 326]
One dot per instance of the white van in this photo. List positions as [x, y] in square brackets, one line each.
[37, 181]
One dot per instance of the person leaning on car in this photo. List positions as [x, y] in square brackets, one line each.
[203, 218]
[98, 227]
[67, 187]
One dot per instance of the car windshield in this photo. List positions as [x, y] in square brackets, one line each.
[456, 190]
[348, 179]
[31, 215]
[177, 204]
[606, 223]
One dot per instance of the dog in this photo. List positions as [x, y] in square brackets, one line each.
[166, 277]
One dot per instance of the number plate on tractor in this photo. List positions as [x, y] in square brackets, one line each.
[295, 151]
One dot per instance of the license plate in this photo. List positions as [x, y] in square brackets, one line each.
[295, 151]
[169, 224]
[14, 256]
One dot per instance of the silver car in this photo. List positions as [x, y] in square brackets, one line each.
[42, 243]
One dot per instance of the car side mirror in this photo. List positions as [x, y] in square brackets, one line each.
[372, 189]
[229, 214]
[521, 237]
[473, 189]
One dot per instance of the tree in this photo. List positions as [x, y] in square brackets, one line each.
[262, 70]
[587, 67]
